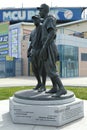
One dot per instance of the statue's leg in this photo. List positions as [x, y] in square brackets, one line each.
[36, 73]
[38, 80]
[54, 88]
[43, 75]
[51, 72]
[61, 90]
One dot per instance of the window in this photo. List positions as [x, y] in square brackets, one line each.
[68, 60]
[83, 56]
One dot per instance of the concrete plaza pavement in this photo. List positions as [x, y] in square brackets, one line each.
[5, 119]
[30, 81]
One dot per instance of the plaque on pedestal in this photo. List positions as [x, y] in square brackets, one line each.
[32, 107]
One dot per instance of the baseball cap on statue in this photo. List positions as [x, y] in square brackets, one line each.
[44, 6]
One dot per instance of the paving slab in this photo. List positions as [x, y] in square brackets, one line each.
[30, 81]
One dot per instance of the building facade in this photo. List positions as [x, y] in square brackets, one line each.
[18, 43]
[71, 39]
[71, 42]
[72, 47]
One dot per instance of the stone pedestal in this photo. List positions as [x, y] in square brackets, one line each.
[32, 107]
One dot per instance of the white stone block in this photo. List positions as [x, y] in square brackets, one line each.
[51, 115]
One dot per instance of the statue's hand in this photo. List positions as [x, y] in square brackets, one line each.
[28, 54]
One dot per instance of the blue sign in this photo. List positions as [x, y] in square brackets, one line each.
[25, 14]
[4, 44]
[4, 38]
[14, 41]
[70, 13]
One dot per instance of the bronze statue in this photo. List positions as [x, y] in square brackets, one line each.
[49, 52]
[34, 51]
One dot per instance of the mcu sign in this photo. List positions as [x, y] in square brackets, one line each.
[25, 14]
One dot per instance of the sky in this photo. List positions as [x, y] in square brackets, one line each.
[36, 3]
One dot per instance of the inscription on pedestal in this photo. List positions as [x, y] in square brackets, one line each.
[52, 115]
[72, 111]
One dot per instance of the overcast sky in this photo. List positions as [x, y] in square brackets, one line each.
[35, 3]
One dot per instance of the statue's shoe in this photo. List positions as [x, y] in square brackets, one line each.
[53, 90]
[60, 92]
[42, 89]
[37, 86]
